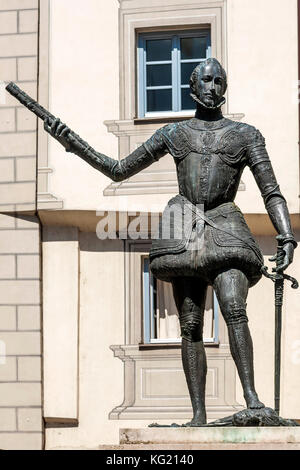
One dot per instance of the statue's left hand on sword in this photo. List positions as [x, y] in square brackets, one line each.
[284, 257]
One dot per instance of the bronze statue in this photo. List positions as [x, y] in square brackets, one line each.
[210, 153]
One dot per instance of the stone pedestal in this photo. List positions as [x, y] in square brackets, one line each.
[240, 438]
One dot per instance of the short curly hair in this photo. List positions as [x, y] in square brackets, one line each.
[197, 70]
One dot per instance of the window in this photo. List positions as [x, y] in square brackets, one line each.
[165, 64]
[161, 323]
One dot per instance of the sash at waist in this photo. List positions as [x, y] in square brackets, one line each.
[181, 220]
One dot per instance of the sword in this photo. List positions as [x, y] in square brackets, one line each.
[278, 280]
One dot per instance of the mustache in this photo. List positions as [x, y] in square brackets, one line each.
[210, 94]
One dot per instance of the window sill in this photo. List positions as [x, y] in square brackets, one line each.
[161, 119]
[147, 346]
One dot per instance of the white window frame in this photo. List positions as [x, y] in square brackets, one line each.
[175, 61]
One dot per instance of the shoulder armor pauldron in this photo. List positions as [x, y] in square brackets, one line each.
[235, 142]
[176, 138]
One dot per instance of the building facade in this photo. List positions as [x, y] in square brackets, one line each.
[89, 340]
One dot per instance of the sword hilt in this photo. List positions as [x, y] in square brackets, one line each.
[279, 275]
[295, 283]
[275, 277]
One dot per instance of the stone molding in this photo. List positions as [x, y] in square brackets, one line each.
[86, 221]
[45, 200]
[149, 395]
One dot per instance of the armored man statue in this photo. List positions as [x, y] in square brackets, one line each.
[210, 154]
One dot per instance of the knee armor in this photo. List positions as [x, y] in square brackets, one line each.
[235, 313]
[191, 322]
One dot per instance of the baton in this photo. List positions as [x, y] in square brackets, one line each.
[42, 113]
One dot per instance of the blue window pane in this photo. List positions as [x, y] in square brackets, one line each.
[186, 101]
[193, 48]
[159, 100]
[159, 75]
[158, 49]
[186, 71]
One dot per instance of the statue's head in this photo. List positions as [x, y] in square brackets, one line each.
[208, 84]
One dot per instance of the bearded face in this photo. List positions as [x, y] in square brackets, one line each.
[208, 84]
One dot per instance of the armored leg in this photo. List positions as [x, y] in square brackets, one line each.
[190, 296]
[231, 288]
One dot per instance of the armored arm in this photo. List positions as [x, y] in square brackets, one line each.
[117, 170]
[261, 167]
[142, 157]
[114, 169]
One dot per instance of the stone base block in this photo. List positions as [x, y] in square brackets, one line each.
[187, 447]
[211, 438]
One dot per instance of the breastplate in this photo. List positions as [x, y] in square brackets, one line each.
[210, 167]
[212, 138]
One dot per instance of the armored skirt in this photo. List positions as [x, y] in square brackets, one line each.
[194, 243]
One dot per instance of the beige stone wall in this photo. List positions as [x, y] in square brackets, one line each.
[20, 323]
[252, 44]
[18, 62]
[83, 92]
[262, 62]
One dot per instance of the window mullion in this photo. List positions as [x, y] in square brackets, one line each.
[208, 46]
[215, 318]
[144, 78]
[175, 74]
[146, 298]
[152, 313]
[157, 87]
[178, 74]
[159, 62]
[141, 77]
